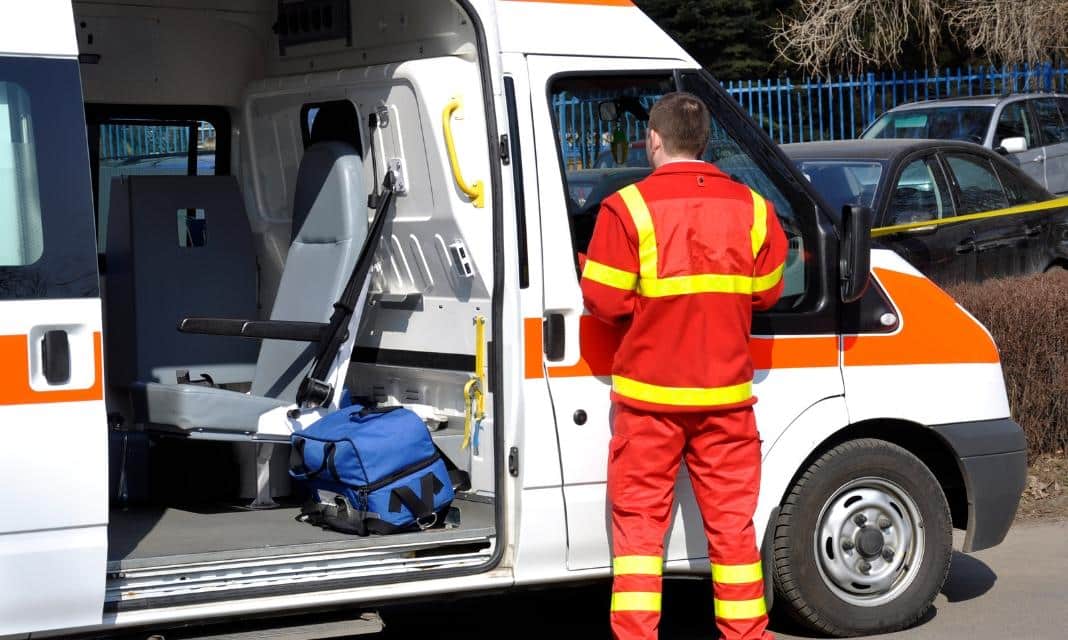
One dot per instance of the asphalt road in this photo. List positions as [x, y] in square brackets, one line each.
[1018, 590]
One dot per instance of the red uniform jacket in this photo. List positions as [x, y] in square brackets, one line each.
[681, 259]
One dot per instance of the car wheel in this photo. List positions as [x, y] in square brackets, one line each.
[863, 541]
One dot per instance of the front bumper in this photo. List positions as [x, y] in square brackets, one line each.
[993, 460]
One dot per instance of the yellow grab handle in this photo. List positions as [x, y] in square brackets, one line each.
[476, 192]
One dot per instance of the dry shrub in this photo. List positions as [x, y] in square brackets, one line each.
[1028, 318]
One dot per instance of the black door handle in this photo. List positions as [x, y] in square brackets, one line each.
[553, 336]
[1034, 231]
[966, 247]
[55, 356]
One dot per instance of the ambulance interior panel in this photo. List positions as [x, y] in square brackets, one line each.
[414, 68]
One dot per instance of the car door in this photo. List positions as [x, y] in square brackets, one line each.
[53, 462]
[1014, 121]
[1035, 248]
[1054, 137]
[578, 349]
[918, 221]
[978, 191]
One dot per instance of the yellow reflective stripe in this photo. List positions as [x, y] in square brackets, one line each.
[610, 276]
[709, 283]
[740, 609]
[765, 282]
[638, 565]
[682, 396]
[636, 601]
[643, 222]
[737, 573]
[702, 283]
[760, 222]
[1056, 203]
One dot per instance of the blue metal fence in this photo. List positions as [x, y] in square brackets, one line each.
[135, 141]
[842, 107]
[836, 108]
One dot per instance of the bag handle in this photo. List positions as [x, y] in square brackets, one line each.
[422, 507]
[328, 460]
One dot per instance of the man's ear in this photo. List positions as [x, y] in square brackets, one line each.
[655, 142]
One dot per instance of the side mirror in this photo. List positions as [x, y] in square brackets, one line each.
[607, 111]
[854, 252]
[1012, 145]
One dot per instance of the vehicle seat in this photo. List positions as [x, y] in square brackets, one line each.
[329, 228]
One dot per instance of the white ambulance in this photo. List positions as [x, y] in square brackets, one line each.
[171, 159]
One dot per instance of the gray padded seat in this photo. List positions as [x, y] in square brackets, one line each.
[153, 282]
[329, 228]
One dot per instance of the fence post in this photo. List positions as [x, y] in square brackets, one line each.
[870, 115]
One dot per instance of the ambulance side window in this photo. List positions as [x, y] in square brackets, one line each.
[594, 167]
[725, 150]
[46, 207]
[598, 155]
[21, 240]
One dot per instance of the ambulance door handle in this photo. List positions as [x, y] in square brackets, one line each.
[55, 357]
[554, 336]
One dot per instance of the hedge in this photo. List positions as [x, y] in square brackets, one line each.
[1028, 317]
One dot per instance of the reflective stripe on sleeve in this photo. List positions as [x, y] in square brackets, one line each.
[759, 232]
[610, 276]
[636, 601]
[768, 281]
[740, 609]
[682, 396]
[638, 565]
[737, 573]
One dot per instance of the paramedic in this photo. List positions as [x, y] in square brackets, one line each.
[680, 261]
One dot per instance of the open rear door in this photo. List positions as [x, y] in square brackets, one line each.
[53, 462]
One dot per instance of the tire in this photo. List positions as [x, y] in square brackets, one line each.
[820, 549]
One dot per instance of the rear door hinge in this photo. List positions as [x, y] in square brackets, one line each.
[505, 151]
[513, 462]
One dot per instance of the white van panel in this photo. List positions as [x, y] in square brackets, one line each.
[43, 28]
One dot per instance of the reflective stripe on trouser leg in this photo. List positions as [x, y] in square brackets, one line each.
[723, 459]
[643, 463]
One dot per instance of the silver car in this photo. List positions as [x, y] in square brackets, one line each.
[1031, 129]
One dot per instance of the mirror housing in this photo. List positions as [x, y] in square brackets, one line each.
[1012, 145]
[607, 111]
[854, 252]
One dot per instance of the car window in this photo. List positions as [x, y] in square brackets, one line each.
[1050, 123]
[1015, 123]
[978, 186]
[918, 195]
[1019, 187]
[968, 123]
[843, 182]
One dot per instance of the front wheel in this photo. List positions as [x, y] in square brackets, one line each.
[863, 541]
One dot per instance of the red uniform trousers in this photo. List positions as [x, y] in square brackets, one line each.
[722, 453]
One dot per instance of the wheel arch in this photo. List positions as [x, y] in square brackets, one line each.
[919, 440]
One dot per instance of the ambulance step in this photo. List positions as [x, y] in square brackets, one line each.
[365, 624]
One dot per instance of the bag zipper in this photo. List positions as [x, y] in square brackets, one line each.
[390, 479]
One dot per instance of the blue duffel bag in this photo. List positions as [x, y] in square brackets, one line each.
[373, 471]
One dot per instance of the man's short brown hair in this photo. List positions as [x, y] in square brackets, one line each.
[683, 123]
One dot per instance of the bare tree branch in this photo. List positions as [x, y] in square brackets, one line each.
[1011, 31]
[852, 35]
[855, 34]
